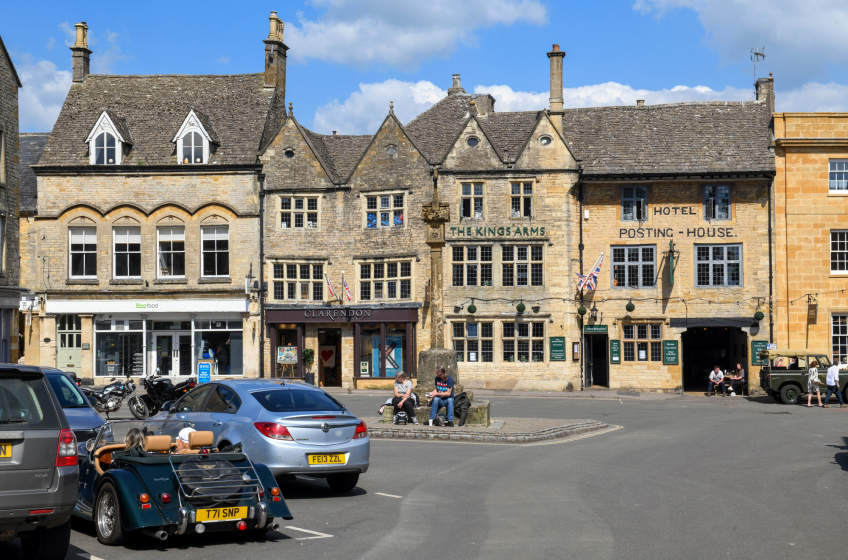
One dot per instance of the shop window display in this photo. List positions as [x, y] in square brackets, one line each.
[219, 341]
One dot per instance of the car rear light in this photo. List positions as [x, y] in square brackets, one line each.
[145, 506]
[275, 491]
[165, 498]
[66, 454]
[361, 431]
[241, 525]
[273, 431]
[143, 498]
[191, 384]
[40, 511]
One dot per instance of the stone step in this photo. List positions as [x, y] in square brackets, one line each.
[478, 414]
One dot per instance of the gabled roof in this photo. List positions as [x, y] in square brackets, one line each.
[31, 146]
[11, 64]
[435, 130]
[346, 151]
[697, 137]
[204, 123]
[154, 107]
[116, 123]
[508, 132]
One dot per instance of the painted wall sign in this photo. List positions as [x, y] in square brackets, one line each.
[615, 351]
[589, 329]
[61, 307]
[498, 231]
[699, 232]
[670, 354]
[758, 346]
[557, 348]
[333, 314]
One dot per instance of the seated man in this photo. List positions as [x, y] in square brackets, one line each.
[716, 379]
[182, 440]
[442, 396]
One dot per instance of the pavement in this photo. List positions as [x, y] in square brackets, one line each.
[682, 477]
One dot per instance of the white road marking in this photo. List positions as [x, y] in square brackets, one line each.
[318, 535]
[89, 556]
[388, 495]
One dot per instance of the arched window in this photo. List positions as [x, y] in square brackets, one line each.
[192, 148]
[104, 149]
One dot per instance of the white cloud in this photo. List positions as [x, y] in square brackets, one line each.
[42, 95]
[400, 34]
[813, 97]
[223, 59]
[802, 39]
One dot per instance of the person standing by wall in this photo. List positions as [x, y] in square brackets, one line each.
[832, 383]
[813, 383]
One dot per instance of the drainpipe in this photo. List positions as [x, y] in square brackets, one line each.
[580, 248]
[261, 178]
[771, 266]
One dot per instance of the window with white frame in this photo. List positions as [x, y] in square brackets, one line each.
[171, 247]
[521, 200]
[838, 175]
[215, 245]
[299, 212]
[643, 343]
[83, 251]
[523, 342]
[385, 210]
[298, 282]
[192, 148]
[716, 202]
[106, 150]
[472, 201]
[839, 337]
[385, 280]
[472, 266]
[634, 204]
[522, 265]
[473, 342]
[718, 265]
[839, 251]
[127, 253]
[634, 266]
[106, 140]
[193, 140]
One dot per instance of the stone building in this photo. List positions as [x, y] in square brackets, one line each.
[811, 232]
[145, 225]
[10, 293]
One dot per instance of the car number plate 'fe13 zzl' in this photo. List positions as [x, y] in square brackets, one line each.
[5, 449]
[327, 459]
[221, 514]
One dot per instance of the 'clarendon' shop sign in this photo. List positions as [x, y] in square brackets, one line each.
[502, 231]
[333, 314]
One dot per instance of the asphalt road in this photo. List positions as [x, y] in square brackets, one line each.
[682, 478]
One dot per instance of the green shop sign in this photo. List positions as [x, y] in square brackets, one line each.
[498, 231]
[557, 348]
[590, 329]
[758, 346]
[615, 351]
[670, 355]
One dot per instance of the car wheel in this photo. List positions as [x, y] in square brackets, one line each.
[789, 394]
[138, 408]
[343, 482]
[48, 544]
[107, 516]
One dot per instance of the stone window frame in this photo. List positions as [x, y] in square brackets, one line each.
[472, 198]
[367, 285]
[635, 199]
[626, 264]
[289, 283]
[534, 264]
[289, 215]
[519, 196]
[128, 252]
[712, 261]
[837, 169]
[216, 251]
[2, 156]
[512, 343]
[159, 275]
[711, 206]
[464, 266]
[839, 251]
[464, 339]
[392, 209]
[3, 223]
[84, 252]
[635, 336]
[839, 336]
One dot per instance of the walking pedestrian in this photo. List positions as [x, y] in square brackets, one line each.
[813, 383]
[832, 383]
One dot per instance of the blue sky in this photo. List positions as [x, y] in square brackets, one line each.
[348, 58]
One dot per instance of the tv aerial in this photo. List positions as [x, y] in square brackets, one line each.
[757, 54]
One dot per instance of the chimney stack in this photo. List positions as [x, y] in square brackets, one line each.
[765, 91]
[275, 55]
[456, 87]
[640, 102]
[81, 53]
[556, 57]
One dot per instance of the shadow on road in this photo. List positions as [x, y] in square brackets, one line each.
[841, 457]
[305, 488]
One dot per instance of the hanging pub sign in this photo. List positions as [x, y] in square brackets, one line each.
[615, 351]
[812, 313]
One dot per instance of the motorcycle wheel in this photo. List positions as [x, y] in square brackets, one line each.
[152, 409]
[138, 408]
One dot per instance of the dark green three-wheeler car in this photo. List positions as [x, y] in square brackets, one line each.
[161, 493]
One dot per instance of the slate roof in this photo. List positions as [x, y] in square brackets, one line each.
[509, 132]
[206, 122]
[346, 151]
[121, 125]
[694, 137]
[31, 146]
[435, 130]
[243, 114]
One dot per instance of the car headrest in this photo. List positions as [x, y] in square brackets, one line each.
[197, 440]
[157, 444]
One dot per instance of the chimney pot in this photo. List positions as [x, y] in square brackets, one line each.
[555, 47]
[555, 57]
[456, 87]
[334, 133]
[640, 102]
[275, 54]
[81, 54]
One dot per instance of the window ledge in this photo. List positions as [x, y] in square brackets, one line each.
[844, 275]
[82, 281]
[126, 282]
[215, 280]
[170, 281]
[837, 194]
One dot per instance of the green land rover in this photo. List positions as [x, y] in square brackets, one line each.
[784, 377]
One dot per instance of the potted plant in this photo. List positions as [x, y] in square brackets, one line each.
[308, 358]
[522, 359]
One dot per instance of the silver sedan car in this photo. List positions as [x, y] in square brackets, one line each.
[293, 428]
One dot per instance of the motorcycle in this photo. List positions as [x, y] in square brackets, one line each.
[161, 390]
[111, 397]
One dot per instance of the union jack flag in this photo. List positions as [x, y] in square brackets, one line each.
[330, 286]
[346, 289]
[590, 281]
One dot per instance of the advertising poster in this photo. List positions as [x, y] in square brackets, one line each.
[328, 356]
[394, 356]
[286, 354]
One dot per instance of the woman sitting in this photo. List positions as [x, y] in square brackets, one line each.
[403, 397]
[134, 443]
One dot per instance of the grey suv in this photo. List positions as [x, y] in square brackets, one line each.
[39, 475]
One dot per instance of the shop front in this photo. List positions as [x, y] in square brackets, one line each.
[114, 338]
[347, 343]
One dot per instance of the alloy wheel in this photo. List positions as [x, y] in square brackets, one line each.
[106, 514]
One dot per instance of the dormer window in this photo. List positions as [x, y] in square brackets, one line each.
[194, 139]
[108, 140]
